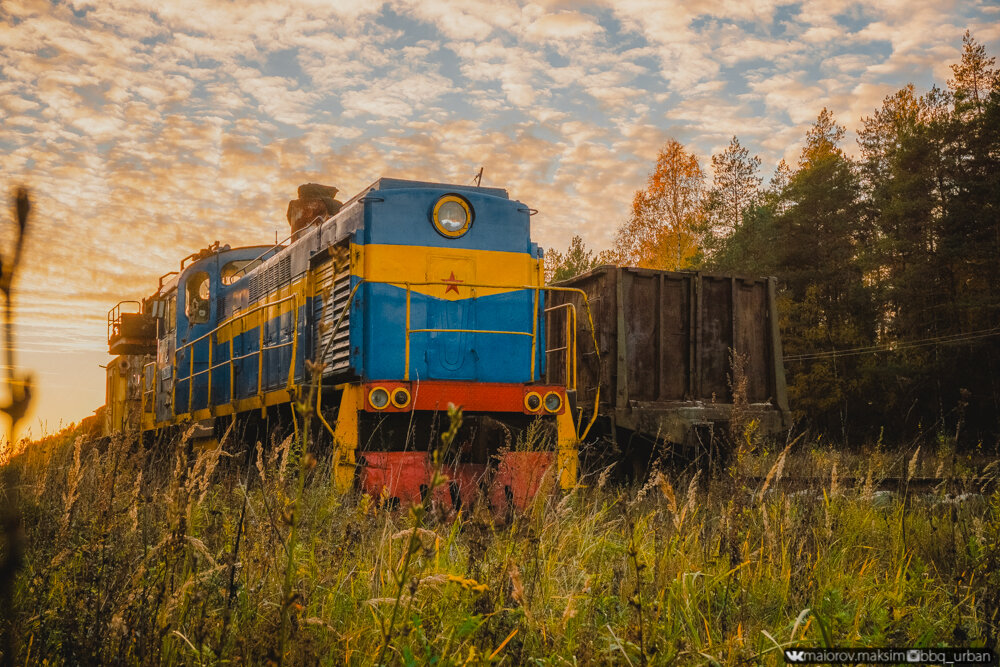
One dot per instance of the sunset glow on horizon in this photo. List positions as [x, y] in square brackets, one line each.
[146, 131]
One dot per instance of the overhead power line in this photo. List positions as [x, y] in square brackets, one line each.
[950, 339]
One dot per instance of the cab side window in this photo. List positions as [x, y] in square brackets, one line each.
[171, 319]
[233, 271]
[198, 294]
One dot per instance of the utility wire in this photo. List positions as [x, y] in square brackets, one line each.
[902, 345]
[932, 339]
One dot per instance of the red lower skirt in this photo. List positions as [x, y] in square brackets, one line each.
[405, 477]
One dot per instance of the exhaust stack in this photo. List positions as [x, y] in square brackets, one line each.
[315, 203]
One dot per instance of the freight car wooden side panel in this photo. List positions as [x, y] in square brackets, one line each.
[665, 341]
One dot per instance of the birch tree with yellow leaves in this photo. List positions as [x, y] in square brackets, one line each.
[667, 223]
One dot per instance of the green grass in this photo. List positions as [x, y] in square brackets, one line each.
[132, 558]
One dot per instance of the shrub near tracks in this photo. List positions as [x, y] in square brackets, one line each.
[172, 560]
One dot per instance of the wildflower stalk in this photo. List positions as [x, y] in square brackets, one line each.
[306, 463]
[419, 512]
[19, 388]
[304, 410]
[633, 553]
[234, 556]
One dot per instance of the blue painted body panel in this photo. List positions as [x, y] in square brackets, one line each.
[276, 363]
[402, 217]
[482, 357]
[277, 331]
[393, 213]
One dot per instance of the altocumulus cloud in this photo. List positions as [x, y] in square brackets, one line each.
[148, 131]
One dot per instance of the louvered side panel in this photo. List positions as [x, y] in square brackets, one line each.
[255, 288]
[333, 278]
[323, 279]
[271, 279]
[284, 270]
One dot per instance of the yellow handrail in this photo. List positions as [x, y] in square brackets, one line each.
[534, 331]
[260, 355]
[239, 316]
[536, 289]
[570, 346]
[295, 348]
[485, 331]
[406, 342]
[232, 376]
[190, 377]
[322, 356]
[212, 336]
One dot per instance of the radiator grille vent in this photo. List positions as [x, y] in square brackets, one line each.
[255, 287]
[333, 275]
[268, 280]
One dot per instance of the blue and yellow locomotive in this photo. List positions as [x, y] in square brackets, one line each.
[407, 298]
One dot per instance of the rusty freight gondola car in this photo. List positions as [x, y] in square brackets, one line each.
[664, 372]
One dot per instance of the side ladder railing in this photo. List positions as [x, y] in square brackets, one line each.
[148, 387]
[262, 348]
[569, 348]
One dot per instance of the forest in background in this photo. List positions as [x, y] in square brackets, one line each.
[888, 263]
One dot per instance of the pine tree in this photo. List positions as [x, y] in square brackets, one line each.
[970, 230]
[828, 305]
[576, 260]
[553, 261]
[975, 77]
[735, 187]
[819, 227]
[782, 174]
[777, 186]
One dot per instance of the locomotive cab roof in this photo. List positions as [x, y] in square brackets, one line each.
[385, 183]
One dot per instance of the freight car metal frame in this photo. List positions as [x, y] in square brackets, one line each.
[665, 339]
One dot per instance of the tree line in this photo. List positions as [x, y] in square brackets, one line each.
[888, 263]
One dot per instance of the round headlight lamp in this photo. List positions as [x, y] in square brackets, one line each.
[400, 397]
[379, 398]
[532, 401]
[553, 401]
[452, 216]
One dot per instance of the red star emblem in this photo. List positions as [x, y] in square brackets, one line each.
[452, 283]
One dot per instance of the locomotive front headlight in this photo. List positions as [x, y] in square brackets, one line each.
[378, 397]
[452, 216]
[400, 397]
[553, 401]
[532, 401]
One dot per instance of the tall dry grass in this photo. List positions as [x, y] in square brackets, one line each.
[171, 554]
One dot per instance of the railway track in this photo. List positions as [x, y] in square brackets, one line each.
[922, 485]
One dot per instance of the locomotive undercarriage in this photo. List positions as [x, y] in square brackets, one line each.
[497, 459]
[501, 461]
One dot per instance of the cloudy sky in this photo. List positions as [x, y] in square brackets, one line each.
[148, 129]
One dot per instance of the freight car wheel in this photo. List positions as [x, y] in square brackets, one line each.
[708, 447]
